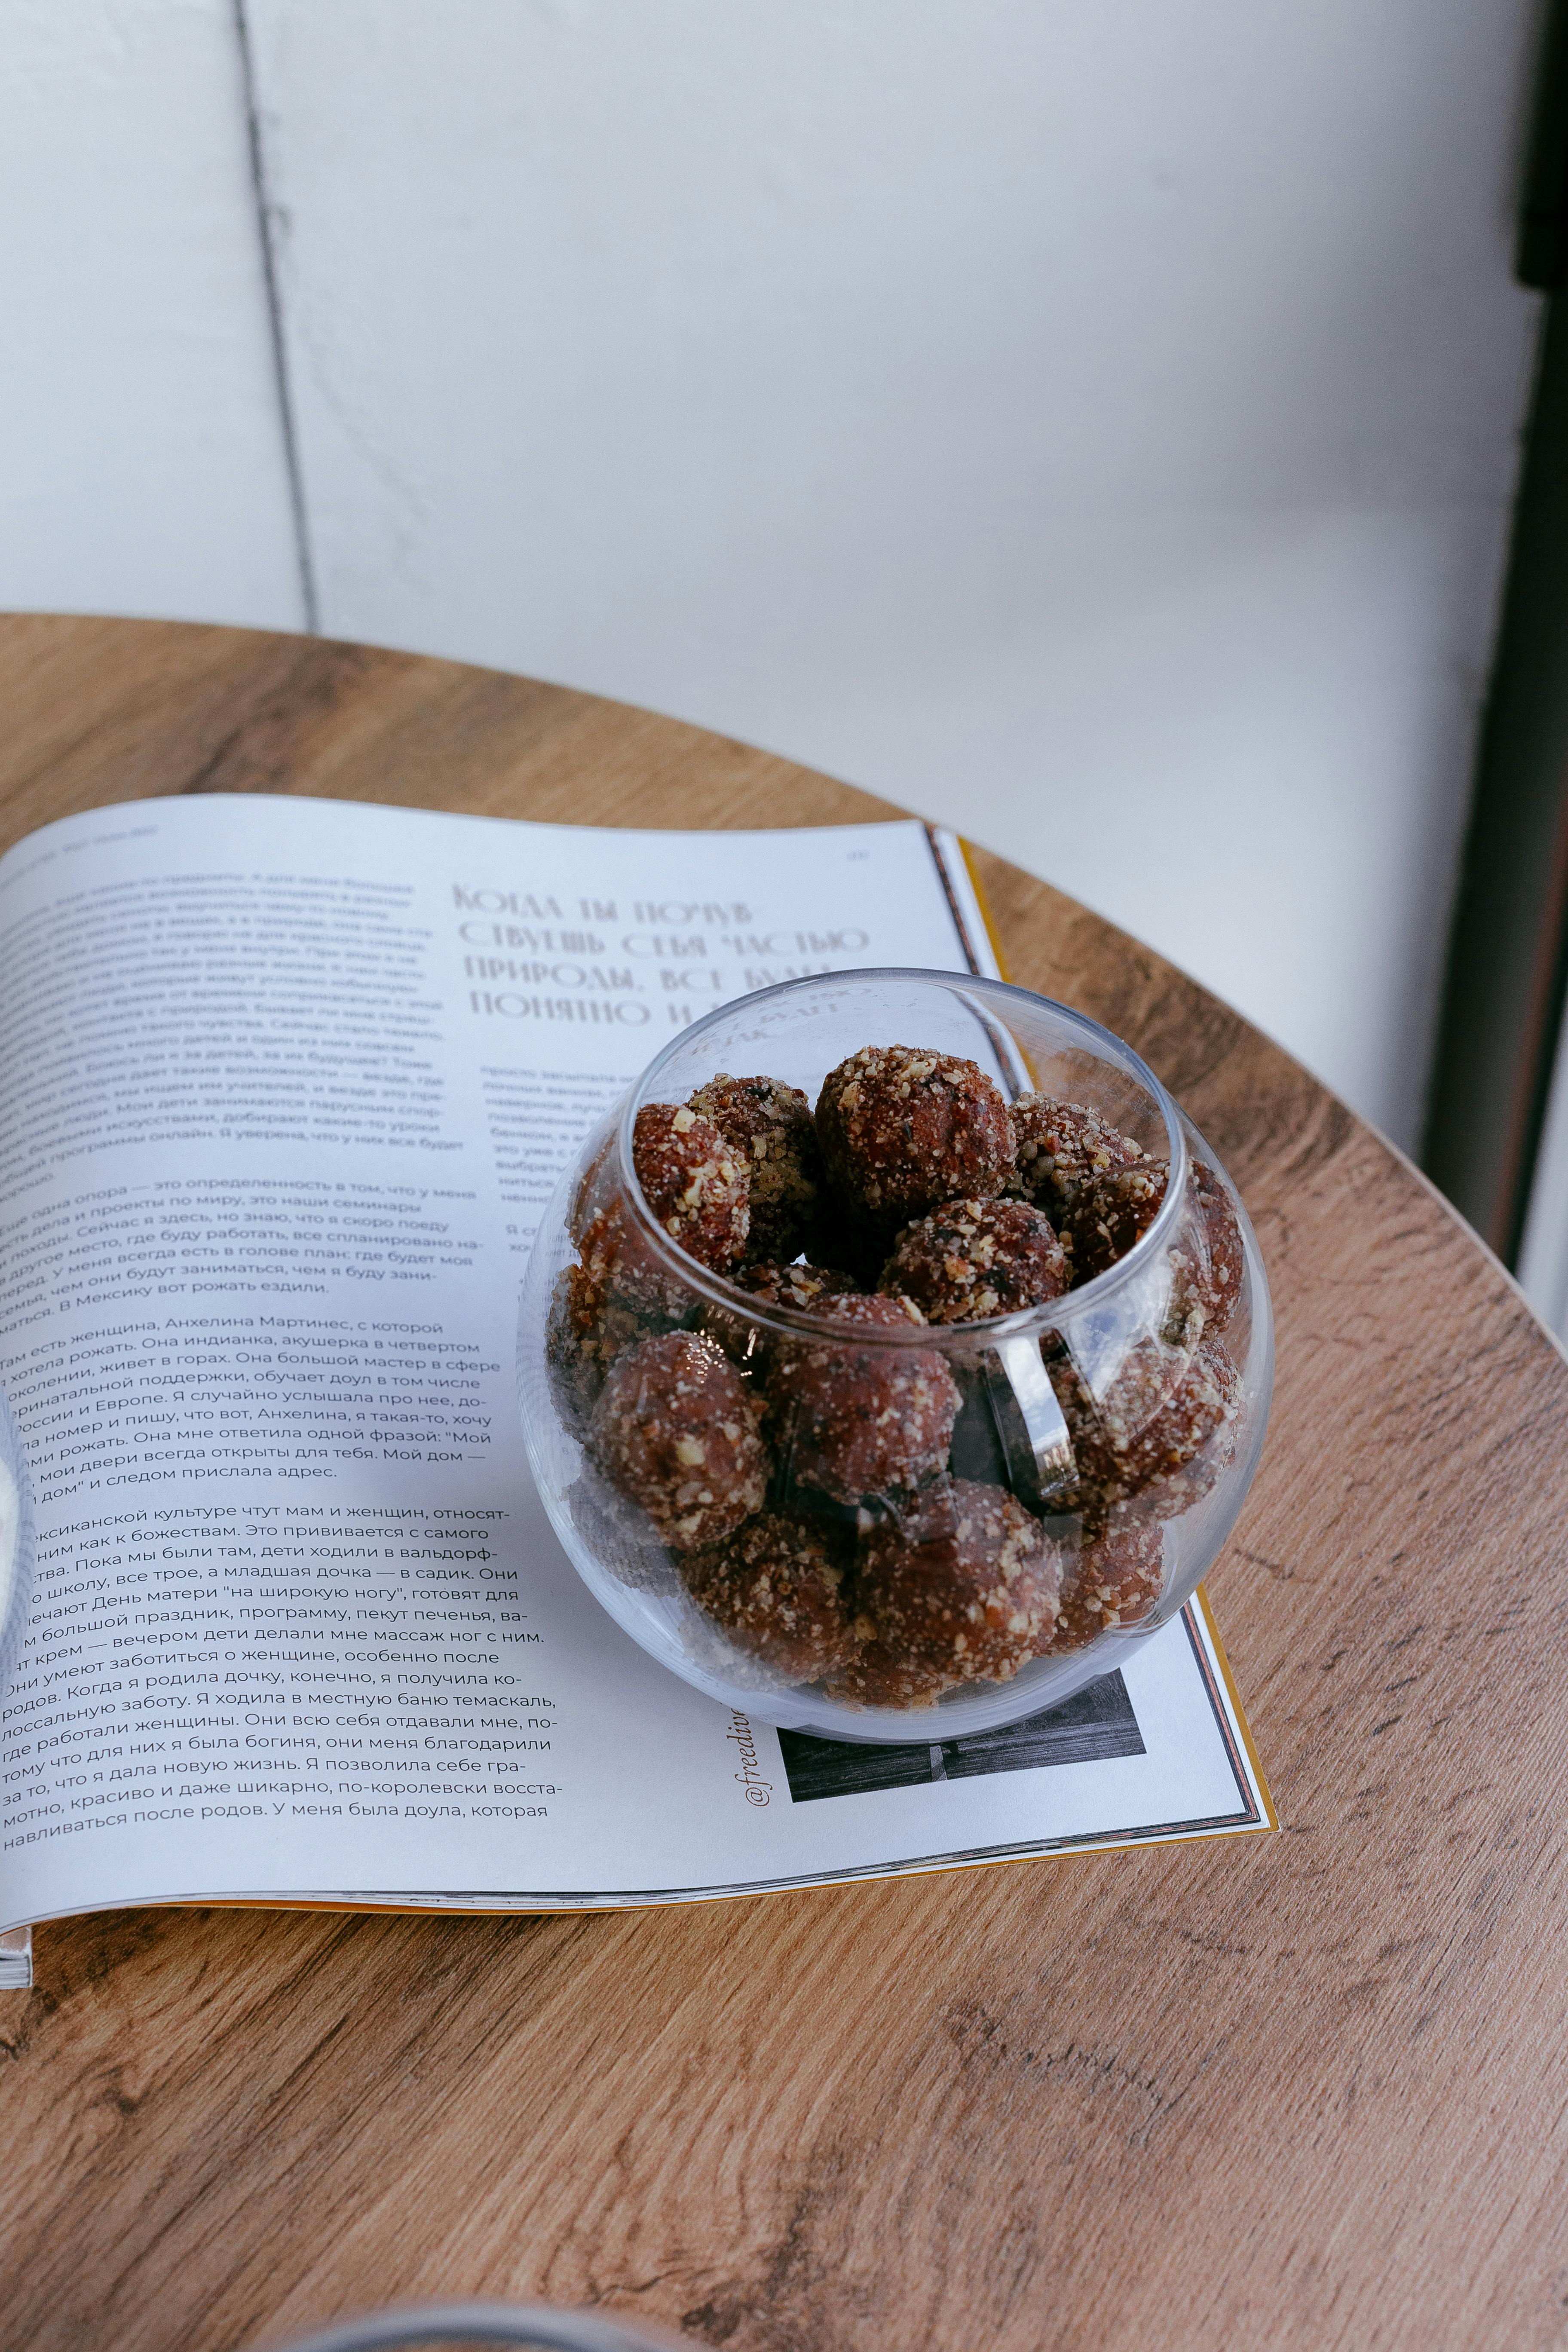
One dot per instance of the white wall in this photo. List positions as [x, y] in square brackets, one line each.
[1088, 421]
[142, 469]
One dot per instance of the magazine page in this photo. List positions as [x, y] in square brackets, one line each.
[286, 1085]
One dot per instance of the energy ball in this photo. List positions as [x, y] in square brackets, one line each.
[594, 1192]
[695, 1182]
[1060, 1145]
[675, 1428]
[771, 1127]
[775, 1589]
[617, 1296]
[902, 1130]
[573, 1380]
[874, 1677]
[618, 1263]
[861, 1421]
[1108, 1212]
[583, 1334]
[975, 1602]
[977, 1258]
[1113, 1582]
[1208, 1262]
[1143, 1434]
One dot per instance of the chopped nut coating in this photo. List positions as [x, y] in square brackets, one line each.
[1113, 1582]
[776, 1588]
[977, 1258]
[903, 1130]
[1147, 1431]
[695, 1183]
[975, 1601]
[855, 1421]
[769, 1125]
[1060, 1146]
[675, 1428]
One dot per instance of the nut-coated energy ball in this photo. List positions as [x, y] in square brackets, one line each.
[1207, 1261]
[595, 1191]
[1060, 1145]
[855, 1422]
[1112, 1211]
[573, 1376]
[977, 1258]
[775, 1589]
[1112, 1583]
[902, 1130]
[619, 1262]
[586, 1330]
[619, 1294]
[874, 1677]
[1109, 1213]
[974, 1602]
[675, 1428]
[695, 1182]
[771, 1127]
[1143, 1433]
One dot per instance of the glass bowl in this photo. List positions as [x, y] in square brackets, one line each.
[906, 1524]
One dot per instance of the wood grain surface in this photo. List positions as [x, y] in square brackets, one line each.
[1305, 2090]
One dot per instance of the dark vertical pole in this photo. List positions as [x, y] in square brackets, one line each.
[1508, 965]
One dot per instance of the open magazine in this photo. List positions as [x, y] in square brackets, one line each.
[284, 1088]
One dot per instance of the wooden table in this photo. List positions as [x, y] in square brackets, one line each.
[1302, 2090]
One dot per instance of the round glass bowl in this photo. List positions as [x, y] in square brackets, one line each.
[887, 1528]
